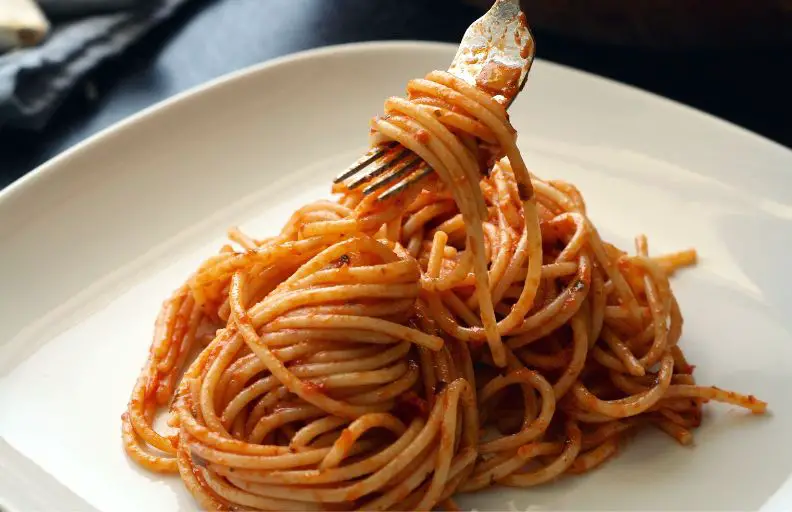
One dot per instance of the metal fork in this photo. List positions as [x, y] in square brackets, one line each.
[493, 48]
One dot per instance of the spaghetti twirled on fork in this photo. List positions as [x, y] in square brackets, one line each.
[383, 354]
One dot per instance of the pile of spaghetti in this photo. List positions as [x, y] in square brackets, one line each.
[390, 353]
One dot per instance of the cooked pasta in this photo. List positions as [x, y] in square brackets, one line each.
[472, 331]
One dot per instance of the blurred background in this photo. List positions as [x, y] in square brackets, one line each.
[70, 68]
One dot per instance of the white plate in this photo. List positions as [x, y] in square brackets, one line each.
[93, 241]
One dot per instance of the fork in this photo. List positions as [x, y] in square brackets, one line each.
[500, 38]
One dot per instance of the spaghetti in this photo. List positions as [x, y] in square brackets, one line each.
[388, 354]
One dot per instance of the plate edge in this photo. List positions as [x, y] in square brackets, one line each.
[29, 180]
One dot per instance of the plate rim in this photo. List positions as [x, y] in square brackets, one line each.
[28, 183]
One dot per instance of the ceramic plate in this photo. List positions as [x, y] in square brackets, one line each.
[93, 241]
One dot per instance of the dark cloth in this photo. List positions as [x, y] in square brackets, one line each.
[64, 9]
[33, 81]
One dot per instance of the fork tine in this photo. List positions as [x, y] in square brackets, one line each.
[420, 173]
[370, 156]
[396, 157]
[403, 168]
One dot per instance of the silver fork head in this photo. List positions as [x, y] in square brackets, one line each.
[496, 52]
[495, 55]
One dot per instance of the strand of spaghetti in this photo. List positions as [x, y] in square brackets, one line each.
[164, 324]
[335, 251]
[607, 430]
[657, 293]
[234, 494]
[373, 306]
[220, 443]
[179, 330]
[749, 402]
[241, 399]
[207, 401]
[675, 323]
[631, 405]
[435, 259]
[681, 434]
[616, 277]
[376, 361]
[559, 311]
[339, 353]
[355, 379]
[279, 304]
[501, 467]
[356, 429]
[608, 360]
[136, 415]
[552, 197]
[546, 362]
[552, 470]
[442, 462]
[593, 458]
[136, 452]
[319, 477]
[388, 391]
[460, 275]
[296, 251]
[534, 429]
[406, 485]
[278, 418]
[167, 385]
[578, 360]
[629, 385]
[456, 120]
[303, 437]
[377, 325]
[678, 418]
[193, 479]
[393, 272]
[623, 353]
[578, 239]
[423, 216]
[317, 335]
[281, 461]
[598, 299]
[499, 258]
[460, 308]
[507, 199]
[460, 467]
[529, 247]
[506, 246]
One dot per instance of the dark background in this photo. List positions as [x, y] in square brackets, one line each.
[749, 86]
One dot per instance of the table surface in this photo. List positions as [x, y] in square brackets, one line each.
[210, 38]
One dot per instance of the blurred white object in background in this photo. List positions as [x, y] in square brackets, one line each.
[21, 24]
